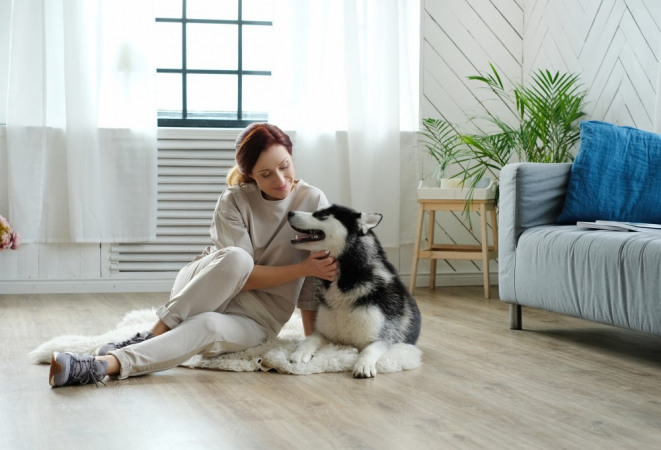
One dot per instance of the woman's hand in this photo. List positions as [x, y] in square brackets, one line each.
[321, 265]
[318, 264]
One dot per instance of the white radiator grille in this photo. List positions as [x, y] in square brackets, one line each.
[191, 176]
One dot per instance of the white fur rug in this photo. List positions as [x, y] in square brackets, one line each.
[271, 355]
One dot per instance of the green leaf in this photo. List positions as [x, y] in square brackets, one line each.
[548, 109]
[495, 72]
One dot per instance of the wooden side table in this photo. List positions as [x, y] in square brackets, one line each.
[482, 252]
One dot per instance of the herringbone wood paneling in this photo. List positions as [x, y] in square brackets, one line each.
[612, 44]
[461, 38]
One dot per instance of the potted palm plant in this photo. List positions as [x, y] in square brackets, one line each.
[548, 112]
[442, 145]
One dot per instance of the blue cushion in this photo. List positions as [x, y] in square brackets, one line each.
[616, 176]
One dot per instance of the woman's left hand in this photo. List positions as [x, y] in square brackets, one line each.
[321, 265]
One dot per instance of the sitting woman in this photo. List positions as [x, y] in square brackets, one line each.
[237, 293]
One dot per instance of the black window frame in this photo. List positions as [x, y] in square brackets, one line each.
[184, 121]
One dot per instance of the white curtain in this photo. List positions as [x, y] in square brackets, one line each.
[345, 77]
[81, 121]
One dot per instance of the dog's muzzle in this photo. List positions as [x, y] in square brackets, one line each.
[307, 235]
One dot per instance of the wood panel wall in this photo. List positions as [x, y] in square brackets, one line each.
[612, 44]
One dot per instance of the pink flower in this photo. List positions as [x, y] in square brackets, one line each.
[16, 241]
[5, 240]
[8, 237]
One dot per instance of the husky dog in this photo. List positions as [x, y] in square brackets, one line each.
[367, 306]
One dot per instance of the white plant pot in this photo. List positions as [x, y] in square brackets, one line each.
[455, 193]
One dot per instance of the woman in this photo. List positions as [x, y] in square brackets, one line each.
[237, 293]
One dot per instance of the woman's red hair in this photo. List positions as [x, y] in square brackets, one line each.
[250, 143]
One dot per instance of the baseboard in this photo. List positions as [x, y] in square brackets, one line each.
[85, 286]
[164, 284]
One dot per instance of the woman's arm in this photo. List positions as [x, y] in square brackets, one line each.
[268, 276]
[318, 265]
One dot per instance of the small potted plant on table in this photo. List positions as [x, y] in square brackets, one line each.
[548, 113]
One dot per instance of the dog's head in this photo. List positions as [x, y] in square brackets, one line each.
[330, 228]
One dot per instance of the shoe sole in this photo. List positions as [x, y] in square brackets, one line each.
[55, 368]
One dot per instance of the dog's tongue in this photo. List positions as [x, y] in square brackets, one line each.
[303, 236]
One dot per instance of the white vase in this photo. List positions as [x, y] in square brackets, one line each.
[451, 183]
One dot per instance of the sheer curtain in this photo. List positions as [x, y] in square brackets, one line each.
[81, 121]
[346, 82]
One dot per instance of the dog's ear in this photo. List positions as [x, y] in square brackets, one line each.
[368, 221]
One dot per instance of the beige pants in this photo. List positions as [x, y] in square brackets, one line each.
[207, 314]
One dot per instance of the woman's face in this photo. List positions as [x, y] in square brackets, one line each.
[274, 172]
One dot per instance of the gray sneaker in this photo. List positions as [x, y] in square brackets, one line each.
[70, 368]
[110, 346]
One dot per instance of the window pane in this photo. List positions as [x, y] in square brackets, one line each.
[212, 46]
[168, 9]
[168, 45]
[257, 10]
[168, 93]
[256, 97]
[213, 9]
[213, 96]
[257, 52]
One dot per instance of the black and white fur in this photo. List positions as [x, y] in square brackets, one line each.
[367, 306]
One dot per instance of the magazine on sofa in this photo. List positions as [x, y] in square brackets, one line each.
[621, 226]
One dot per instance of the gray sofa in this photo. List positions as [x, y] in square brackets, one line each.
[603, 276]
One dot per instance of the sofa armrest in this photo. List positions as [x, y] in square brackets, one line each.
[530, 195]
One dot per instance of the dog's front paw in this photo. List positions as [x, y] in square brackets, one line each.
[364, 369]
[300, 356]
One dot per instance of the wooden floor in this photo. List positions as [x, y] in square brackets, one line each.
[559, 383]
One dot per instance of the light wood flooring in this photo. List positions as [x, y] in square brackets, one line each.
[559, 383]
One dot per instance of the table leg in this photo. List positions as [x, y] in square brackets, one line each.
[494, 229]
[416, 248]
[430, 237]
[485, 251]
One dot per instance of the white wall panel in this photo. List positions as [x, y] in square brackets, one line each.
[461, 38]
[612, 44]
[192, 169]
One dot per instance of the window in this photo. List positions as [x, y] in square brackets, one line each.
[213, 62]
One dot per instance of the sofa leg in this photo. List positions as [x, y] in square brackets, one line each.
[515, 317]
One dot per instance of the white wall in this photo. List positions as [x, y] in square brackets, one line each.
[41, 268]
[4, 200]
[460, 39]
[32, 263]
[612, 44]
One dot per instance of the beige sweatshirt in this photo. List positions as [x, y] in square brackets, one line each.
[245, 219]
